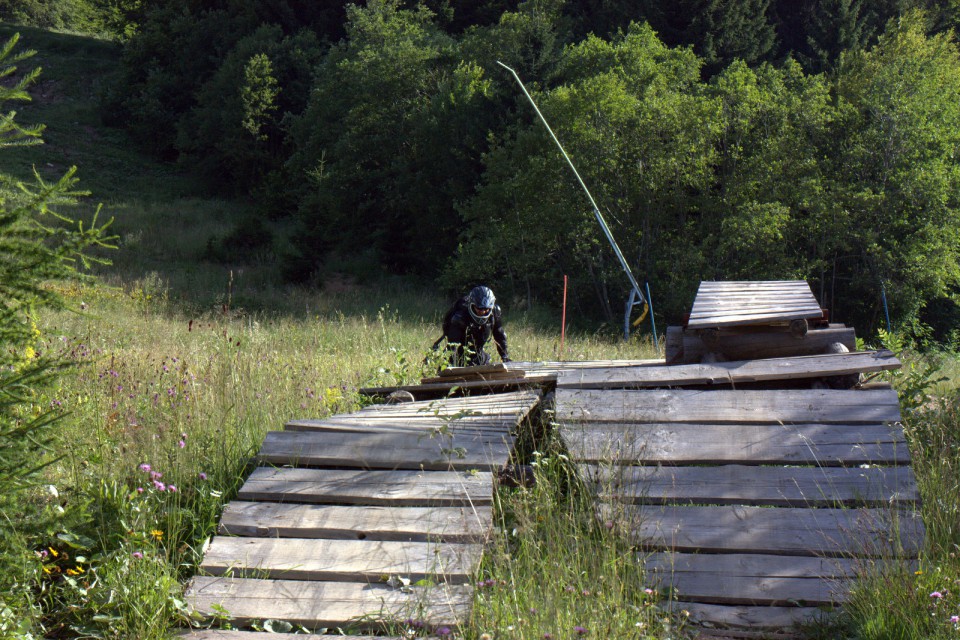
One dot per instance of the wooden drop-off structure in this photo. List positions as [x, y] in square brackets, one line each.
[756, 469]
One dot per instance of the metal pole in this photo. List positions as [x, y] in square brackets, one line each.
[653, 323]
[596, 210]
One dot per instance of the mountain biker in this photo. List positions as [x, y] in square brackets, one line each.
[467, 326]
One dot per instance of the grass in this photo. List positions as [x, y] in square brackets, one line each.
[180, 366]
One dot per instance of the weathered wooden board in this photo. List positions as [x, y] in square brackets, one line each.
[366, 561]
[279, 520]
[479, 413]
[720, 304]
[752, 579]
[771, 530]
[753, 485]
[233, 634]
[495, 368]
[755, 345]
[729, 372]
[684, 443]
[317, 605]
[684, 405]
[223, 634]
[441, 451]
[751, 617]
[388, 488]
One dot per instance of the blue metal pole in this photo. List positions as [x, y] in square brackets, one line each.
[653, 324]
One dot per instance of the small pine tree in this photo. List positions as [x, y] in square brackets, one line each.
[37, 245]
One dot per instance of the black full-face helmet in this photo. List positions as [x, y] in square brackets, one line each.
[480, 303]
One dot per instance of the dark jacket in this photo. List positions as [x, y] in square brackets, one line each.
[466, 338]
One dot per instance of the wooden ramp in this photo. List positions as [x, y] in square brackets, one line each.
[729, 304]
[755, 506]
[363, 520]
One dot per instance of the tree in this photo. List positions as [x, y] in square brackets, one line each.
[386, 143]
[37, 245]
[633, 115]
[894, 180]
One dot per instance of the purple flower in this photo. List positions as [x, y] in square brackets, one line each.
[144, 467]
[936, 595]
[202, 475]
[580, 631]
[159, 486]
[548, 636]
[444, 631]
[137, 555]
[139, 489]
[955, 619]
[181, 444]
[172, 488]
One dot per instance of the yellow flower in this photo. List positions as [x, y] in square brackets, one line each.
[75, 571]
[157, 534]
[53, 552]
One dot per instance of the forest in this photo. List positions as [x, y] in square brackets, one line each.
[724, 139]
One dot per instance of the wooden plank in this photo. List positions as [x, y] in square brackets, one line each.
[275, 520]
[487, 386]
[754, 345]
[739, 372]
[771, 618]
[421, 417]
[736, 406]
[366, 561]
[683, 443]
[386, 450]
[753, 485]
[766, 530]
[726, 285]
[316, 605]
[388, 488]
[752, 579]
[509, 376]
[496, 368]
[673, 346]
[752, 306]
[735, 320]
[224, 634]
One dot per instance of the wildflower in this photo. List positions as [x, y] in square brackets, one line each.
[157, 534]
[155, 475]
[580, 631]
[486, 636]
[181, 444]
[137, 555]
[936, 595]
[145, 467]
[443, 631]
[172, 488]
[159, 486]
[75, 571]
[955, 619]
[548, 636]
[139, 489]
[648, 591]
[202, 475]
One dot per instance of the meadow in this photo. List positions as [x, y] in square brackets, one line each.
[179, 364]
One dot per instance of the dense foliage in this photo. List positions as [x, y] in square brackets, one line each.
[722, 138]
